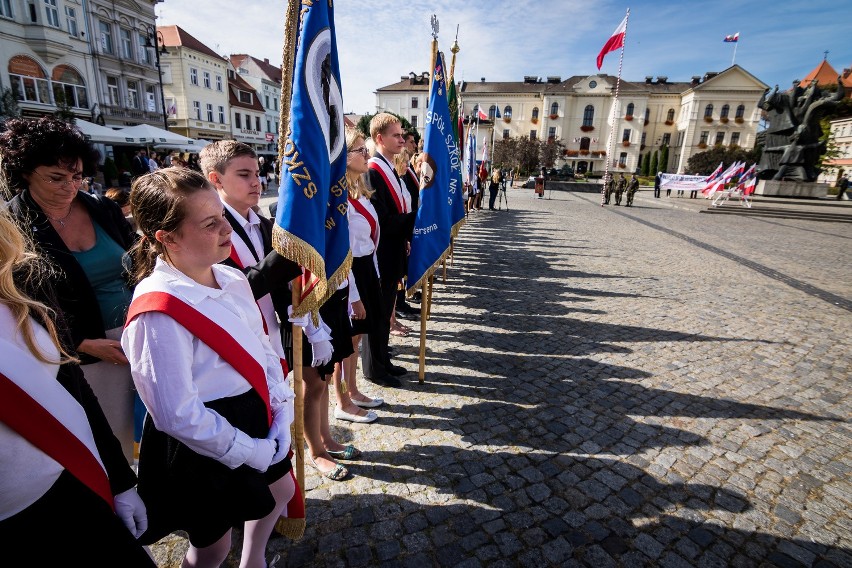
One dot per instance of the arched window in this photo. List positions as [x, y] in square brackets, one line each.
[535, 113]
[630, 108]
[507, 112]
[29, 81]
[670, 115]
[554, 109]
[69, 87]
[726, 109]
[740, 112]
[588, 115]
[492, 112]
[708, 111]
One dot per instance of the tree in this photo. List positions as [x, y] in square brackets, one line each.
[8, 105]
[645, 160]
[655, 161]
[549, 151]
[364, 125]
[664, 159]
[521, 153]
[528, 154]
[505, 153]
[704, 163]
[832, 150]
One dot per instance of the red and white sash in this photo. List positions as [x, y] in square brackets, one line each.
[40, 410]
[210, 333]
[372, 221]
[393, 182]
[413, 175]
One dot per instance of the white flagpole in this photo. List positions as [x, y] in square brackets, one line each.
[612, 127]
[736, 43]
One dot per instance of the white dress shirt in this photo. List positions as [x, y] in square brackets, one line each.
[360, 240]
[176, 373]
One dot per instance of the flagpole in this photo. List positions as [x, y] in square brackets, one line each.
[614, 110]
[736, 43]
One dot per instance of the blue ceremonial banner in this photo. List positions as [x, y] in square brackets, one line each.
[470, 159]
[311, 226]
[440, 184]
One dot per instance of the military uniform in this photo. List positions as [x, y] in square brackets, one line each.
[631, 190]
[608, 188]
[620, 186]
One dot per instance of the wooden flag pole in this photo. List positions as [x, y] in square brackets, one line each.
[299, 389]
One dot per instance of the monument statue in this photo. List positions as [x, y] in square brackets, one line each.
[792, 141]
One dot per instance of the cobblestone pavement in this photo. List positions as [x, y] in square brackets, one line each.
[613, 386]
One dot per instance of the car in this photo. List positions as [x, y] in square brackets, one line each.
[530, 183]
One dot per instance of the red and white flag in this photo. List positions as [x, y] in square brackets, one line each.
[480, 114]
[615, 41]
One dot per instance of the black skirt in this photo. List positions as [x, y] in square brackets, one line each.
[335, 314]
[369, 288]
[184, 490]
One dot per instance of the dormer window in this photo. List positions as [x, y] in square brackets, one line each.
[245, 97]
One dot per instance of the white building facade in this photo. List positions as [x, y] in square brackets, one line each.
[265, 78]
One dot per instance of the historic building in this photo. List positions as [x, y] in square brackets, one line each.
[688, 117]
[195, 83]
[247, 112]
[841, 136]
[265, 78]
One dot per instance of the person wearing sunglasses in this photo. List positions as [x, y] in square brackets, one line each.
[85, 239]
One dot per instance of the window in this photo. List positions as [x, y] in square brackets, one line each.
[630, 108]
[667, 139]
[413, 120]
[551, 133]
[245, 97]
[708, 111]
[193, 76]
[507, 112]
[622, 159]
[735, 138]
[221, 115]
[6, 8]
[554, 109]
[740, 112]
[150, 98]
[726, 109]
[219, 83]
[112, 91]
[144, 51]
[209, 112]
[276, 105]
[51, 13]
[647, 115]
[132, 95]
[266, 100]
[492, 112]
[269, 126]
[704, 135]
[196, 107]
[414, 102]
[588, 115]
[70, 19]
[257, 123]
[106, 36]
[505, 133]
[126, 43]
[670, 115]
[171, 107]
[69, 87]
[644, 137]
[625, 136]
[533, 135]
[238, 120]
[585, 143]
[535, 113]
[206, 79]
[720, 138]
[680, 138]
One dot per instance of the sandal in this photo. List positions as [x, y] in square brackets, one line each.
[339, 472]
[350, 452]
[399, 332]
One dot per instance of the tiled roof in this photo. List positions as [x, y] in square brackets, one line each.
[174, 36]
[823, 74]
[238, 82]
[272, 72]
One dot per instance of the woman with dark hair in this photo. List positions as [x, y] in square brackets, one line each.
[85, 238]
[61, 468]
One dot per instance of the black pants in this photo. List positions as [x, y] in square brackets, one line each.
[382, 334]
[492, 196]
[656, 191]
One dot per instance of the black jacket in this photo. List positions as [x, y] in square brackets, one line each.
[396, 229]
[74, 294]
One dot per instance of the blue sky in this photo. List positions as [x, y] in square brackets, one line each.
[502, 40]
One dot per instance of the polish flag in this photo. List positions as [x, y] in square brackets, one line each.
[615, 41]
[480, 114]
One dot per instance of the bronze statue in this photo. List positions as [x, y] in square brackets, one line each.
[792, 144]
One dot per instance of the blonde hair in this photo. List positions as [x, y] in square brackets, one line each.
[400, 161]
[355, 182]
[17, 260]
[380, 123]
[215, 156]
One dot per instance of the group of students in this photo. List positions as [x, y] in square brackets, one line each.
[192, 311]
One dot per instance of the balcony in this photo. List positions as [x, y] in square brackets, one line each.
[48, 42]
[132, 114]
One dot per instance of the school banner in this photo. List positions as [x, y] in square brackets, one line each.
[311, 226]
[440, 184]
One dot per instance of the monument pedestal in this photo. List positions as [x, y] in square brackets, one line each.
[785, 188]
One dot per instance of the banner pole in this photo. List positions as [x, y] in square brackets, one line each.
[421, 373]
[299, 389]
[612, 127]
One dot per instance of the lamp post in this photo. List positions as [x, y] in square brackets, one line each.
[159, 47]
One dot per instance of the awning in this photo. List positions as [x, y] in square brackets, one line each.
[103, 135]
[145, 134]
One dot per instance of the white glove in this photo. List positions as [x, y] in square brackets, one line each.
[131, 510]
[302, 321]
[261, 458]
[322, 351]
[280, 431]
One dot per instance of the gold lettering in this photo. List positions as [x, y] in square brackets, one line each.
[329, 223]
[310, 190]
[305, 176]
[343, 207]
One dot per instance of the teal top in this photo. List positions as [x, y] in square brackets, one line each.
[103, 265]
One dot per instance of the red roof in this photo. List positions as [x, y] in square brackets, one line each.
[272, 72]
[237, 82]
[174, 36]
[823, 74]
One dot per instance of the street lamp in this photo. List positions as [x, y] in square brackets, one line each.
[159, 48]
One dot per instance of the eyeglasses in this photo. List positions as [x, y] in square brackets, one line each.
[75, 181]
[362, 150]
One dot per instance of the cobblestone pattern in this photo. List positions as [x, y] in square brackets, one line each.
[600, 392]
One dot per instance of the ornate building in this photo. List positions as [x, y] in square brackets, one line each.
[265, 78]
[716, 109]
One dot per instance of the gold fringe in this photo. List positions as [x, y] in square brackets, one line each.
[454, 232]
[292, 247]
[341, 274]
[292, 24]
[294, 529]
[427, 273]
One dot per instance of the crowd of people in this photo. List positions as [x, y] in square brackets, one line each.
[154, 328]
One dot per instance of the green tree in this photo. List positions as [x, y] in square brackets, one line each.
[364, 125]
[8, 105]
[704, 163]
[646, 163]
[505, 152]
[832, 150]
[549, 151]
[520, 152]
[664, 159]
[528, 154]
[655, 160]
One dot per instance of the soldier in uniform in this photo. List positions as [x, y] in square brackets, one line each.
[632, 189]
[609, 185]
[620, 186]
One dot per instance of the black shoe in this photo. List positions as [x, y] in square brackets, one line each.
[406, 309]
[415, 298]
[390, 349]
[386, 381]
[413, 315]
[397, 371]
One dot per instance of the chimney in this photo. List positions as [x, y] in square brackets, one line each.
[649, 79]
[710, 74]
[554, 79]
[482, 80]
[266, 60]
[529, 79]
[661, 79]
[695, 80]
